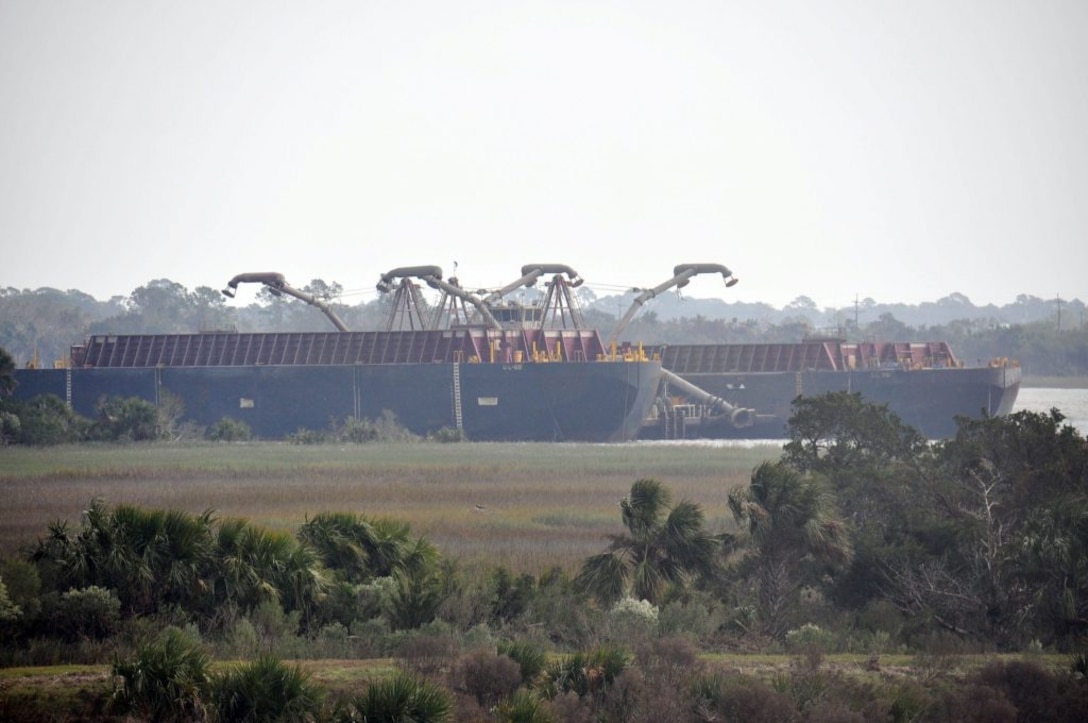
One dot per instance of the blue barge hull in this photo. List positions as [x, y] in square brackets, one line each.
[547, 386]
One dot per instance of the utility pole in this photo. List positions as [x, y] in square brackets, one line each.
[1059, 313]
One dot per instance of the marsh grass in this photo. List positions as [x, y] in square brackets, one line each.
[528, 507]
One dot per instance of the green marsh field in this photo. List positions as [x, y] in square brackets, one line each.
[529, 507]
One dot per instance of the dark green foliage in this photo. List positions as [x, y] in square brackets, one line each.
[530, 658]
[166, 680]
[362, 431]
[265, 689]
[148, 557]
[47, 420]
[230, 430]
[524, 707]
[795, 534]
[358, 549]
[664, 548]
[91, 612]
[511, 596]
[23, 584]
[127, 419]
[449, 435]
[10, 425]
[399, 699]
[9, 611]
[7, 373]
[584, 673]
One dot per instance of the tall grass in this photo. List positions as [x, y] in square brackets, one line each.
[525, 506]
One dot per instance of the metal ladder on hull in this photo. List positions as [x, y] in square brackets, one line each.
[457, 396]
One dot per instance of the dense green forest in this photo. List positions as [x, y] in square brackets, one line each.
[1048, 339]
[861, 537]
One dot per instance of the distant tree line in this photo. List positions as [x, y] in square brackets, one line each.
[1048, 339]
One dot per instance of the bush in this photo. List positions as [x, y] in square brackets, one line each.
[9, 611]
[400, 698]
[230, 430]
[307, 436]
[632, 618]
[585, 673]
[529, 657]
[47, 420]
[524, 707]
[741, 698]
[10, 427]
[92, 612]
[487, 676]
[361, 431]
[167, 679]
[448, 435]
[265, 690]
[128, 419]
[23, 584]
[807, 637]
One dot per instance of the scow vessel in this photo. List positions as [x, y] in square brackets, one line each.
[489, 381]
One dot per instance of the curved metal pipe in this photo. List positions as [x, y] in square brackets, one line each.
[422, 272]
[739, 417]
[278, 285]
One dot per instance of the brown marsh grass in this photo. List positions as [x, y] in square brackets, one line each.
[528, 507]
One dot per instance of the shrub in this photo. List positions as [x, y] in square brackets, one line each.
[166, 680]
[10, 427]
[361, 431]
[9, 611]
[524, 707]
[230, 430]
[307, 436]
[529, 657]
[402, 697]
[585, 673]
[809, 636]
[127, 419]
[47, 420]
[448, 435]
[23, 584]
[692, 618]
[426, 654]
[265, 690]
[741, 698]
[92, 612]
[632, 618]
[487, 676]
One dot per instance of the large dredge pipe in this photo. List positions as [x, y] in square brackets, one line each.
[739, 417]
[681, 276]
[529, 274]
[432, 276]
[277, 285]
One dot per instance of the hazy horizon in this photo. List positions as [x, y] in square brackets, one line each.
[837, 150]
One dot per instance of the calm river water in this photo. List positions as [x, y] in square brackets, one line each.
[1073, 403]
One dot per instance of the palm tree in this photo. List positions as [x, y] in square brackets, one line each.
[663, 547]
[790, 521]
[358, 549]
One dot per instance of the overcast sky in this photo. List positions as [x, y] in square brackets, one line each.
[900, 151]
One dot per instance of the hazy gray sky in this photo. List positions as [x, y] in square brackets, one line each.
[896, 150]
